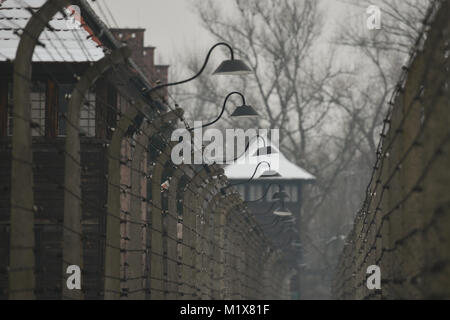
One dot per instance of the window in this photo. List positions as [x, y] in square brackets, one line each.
[290, 189]
[241, 190]
[251, 192]
[258, 191]
[255, 192]
[38, 100]
[37, 103]
[63, 91]
[87, 115]
[43, 116]
[272, 190]
[292, 192]
[87, 111]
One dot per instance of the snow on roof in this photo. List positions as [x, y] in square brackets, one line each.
[246, 164]
[70, 42]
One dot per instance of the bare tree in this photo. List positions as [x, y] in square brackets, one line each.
[328, 118]
[294, 87]
[381, 55]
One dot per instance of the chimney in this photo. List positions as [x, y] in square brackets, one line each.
[144, 56]
[161, 74]
[133, 38]
[148, 59]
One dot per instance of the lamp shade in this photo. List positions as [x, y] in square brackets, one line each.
[280, 195]
[244, 111]
[282, 211]
[270, 174]
[233, 67]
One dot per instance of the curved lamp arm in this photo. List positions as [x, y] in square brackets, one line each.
[264, 195]
[251, 178]
[199, 72]
[223, 109]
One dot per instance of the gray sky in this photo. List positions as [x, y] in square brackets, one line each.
[172, 25]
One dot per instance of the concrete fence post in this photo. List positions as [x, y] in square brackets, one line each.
[154, 248]
[214, 211]
[22, 257]
[113, 221]
[72, 244]
[217, 276]
[206, 195]
[160, 273]
[135, 270]
[168, 223]
[190, 203]
[175, 242]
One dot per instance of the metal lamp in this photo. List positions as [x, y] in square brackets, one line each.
[282, 210]
[242, 111]
[227, 67]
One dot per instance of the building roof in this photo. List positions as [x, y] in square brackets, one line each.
[68, 43]
[246, 164]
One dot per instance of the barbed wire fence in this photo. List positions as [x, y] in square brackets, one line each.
[403, 225]
[98, 202]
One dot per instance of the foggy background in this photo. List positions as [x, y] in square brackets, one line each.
[323, 79]
[173, 25]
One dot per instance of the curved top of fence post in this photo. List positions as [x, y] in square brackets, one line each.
[191, 194]
[96, 70]
[207, 194]
[155, 124]
[205, 172]
[215, 199]
[32, 31]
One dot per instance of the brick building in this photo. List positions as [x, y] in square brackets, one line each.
[63, 55]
